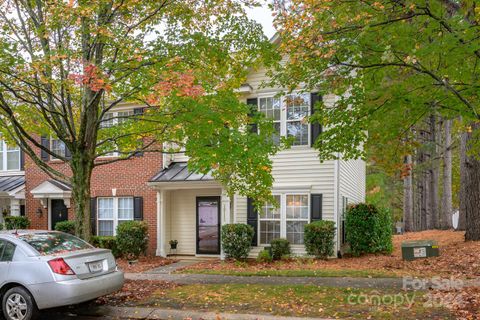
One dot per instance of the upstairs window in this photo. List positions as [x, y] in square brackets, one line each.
[111, 119]
[9, 157]
[57, 147]
[289, 115]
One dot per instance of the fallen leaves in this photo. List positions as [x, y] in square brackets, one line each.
[144, 264]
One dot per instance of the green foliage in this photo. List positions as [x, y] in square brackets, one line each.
[237, 240]
[132, 239]
[66, 226]
[264, 256]
[106, 243]
[1, 226]
[368, 229]
[13, 222]
[280, 248]
[319, 238]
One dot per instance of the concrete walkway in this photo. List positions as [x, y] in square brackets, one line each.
[375, 283]
[170, 268]
[167, 314]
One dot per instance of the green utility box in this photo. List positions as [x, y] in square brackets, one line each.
[412, 250]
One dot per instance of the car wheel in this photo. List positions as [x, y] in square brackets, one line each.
[18, 304]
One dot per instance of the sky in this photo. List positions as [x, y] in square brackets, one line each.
[263, 15]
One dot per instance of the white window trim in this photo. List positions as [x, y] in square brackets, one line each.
[115, 121]
[52, 158]
[283, 215]
[115, 218]
[4, 155]
[283, 115]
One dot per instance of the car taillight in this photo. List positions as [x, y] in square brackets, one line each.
[59, 266]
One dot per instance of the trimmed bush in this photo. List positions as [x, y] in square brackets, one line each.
[132, 239]
[66, 226]
[368, 229]
[264, 256]
[105, 242]
[280, 248]
[13, 222]
[237, 240]
[319, 238]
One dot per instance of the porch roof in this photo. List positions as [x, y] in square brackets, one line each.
[10, 183]
[177, 172]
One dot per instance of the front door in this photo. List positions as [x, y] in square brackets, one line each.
[208, 225]
[58, 211]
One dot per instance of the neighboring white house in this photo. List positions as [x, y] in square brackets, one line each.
[12, 181]
[191, 207]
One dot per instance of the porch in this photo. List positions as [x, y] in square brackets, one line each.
[12, 195]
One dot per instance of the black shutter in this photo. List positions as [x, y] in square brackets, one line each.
[45, 142]
[93, 215]
[315, 128]
[22, 160]
[138, 112]
[138, 208]
[253, 104]
[252, 220]
[315, 207]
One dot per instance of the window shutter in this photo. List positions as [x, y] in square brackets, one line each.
[22, 160]
[138, 112]
[253, 104]
[93, 215]
[252, 220]
[316, 128]
[315, 207]
[45, 142]
[138, 208]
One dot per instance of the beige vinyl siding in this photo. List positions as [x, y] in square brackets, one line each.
[352, 180]
[181, 218]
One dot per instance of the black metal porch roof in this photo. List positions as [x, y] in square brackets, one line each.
[10, 183]
[177, 172]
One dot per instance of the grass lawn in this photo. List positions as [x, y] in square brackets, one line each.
[299, 300]
[296, 273]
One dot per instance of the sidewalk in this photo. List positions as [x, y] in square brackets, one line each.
[375, 283]
[154, 313]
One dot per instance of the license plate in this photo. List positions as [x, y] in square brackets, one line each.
[96, 266]
[420, 252]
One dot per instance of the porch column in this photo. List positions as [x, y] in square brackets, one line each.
[161, 208]
[226, 205]
[15, 207]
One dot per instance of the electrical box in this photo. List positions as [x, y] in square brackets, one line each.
[419, 249]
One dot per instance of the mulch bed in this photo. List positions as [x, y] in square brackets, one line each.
[143, 264]
[457, 258]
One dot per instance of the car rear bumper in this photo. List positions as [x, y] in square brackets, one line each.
[64, 293]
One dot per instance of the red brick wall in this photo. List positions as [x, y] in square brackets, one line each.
[129, 177]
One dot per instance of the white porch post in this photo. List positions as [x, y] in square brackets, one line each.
[161, 208]
[226, 205]
[15, 207]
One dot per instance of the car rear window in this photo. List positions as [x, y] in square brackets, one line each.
[54, 243]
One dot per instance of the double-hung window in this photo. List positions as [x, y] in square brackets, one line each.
[289, 114]
[113, 212]
[111, 119]
[287, 221]
[57, 147]
[9, 157]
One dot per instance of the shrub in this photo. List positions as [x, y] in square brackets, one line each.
[319, 238]
[368, 229]
[280, 248]
[1, 226]
[132, 239]
[237, 240]
[106, 243]
[264, 256]
[13, 222]
[66, 226]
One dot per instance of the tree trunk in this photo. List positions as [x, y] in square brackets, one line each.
[82, 169]
[434, 174]
[472, 189]
[447, 210]
[408, 196]
[462, 219]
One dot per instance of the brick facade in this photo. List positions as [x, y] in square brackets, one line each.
[128, 177]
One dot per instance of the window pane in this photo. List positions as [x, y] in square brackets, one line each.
[58, 147]
[270, 107]
[107, 120]
[105, 228]
[123, 116]
[105, 208]
[298, 130]
[269, 230]
[298, 106]
[13, 160]
[125, 208]
[297, 207]
[295, 231]
[269, 211]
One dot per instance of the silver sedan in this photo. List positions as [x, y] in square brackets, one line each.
[46, 269]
